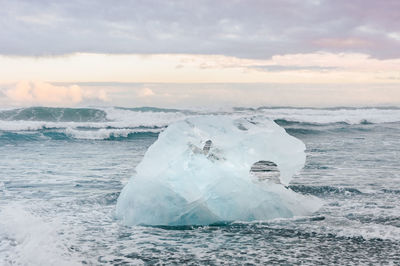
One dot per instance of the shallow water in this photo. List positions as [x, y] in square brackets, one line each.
[58, 192]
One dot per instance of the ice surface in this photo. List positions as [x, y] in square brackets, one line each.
[178, 182]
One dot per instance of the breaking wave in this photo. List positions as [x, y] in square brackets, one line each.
[121, 123]
[73, 134]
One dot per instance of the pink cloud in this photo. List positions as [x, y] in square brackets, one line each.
[342, 43]
[145, 92]
[38, 92]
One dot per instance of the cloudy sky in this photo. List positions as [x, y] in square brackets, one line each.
[200, 53]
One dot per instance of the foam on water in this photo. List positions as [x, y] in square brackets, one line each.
[326, 116]
[194, 186]
[107, 133]
[29, 240]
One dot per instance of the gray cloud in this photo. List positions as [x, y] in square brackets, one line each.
[251, 28]
[278, 68]
[2, 95]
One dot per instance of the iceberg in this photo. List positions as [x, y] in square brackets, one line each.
[209, 169]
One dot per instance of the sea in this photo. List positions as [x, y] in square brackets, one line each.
[62, 170]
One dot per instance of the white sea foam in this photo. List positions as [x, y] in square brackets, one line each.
[325, 116]
[105, 133]
[190, 187]
[352, 228]
[29, 240]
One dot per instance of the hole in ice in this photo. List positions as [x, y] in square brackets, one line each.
[266, 171]
[207, 146]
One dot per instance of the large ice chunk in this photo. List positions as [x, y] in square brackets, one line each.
[198, 172]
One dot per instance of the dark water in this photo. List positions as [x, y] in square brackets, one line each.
[61, 174]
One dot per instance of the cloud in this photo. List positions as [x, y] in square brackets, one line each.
[2, 95]
[289, 68]
[220, 95]
[342, 43]
[242, 28]
[320, 61]
[280, 68]
[145, 92]
[38, 92]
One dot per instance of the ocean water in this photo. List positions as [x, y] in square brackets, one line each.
[61, 172]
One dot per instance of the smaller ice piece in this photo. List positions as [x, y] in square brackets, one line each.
[209, 169]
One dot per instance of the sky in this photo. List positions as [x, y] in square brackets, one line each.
[200, 53]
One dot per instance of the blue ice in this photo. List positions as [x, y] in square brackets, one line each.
[198, 173]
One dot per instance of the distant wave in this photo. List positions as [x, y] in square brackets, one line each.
[301, 131]
[40, 118]
[119, 122]
[71, 134]
[345, 116]
[323, 190]
[317, 108]
[54, 114]
[155, 109]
